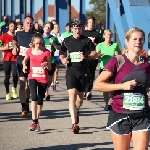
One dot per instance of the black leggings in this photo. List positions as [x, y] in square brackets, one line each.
[37, 90]
[8, 68]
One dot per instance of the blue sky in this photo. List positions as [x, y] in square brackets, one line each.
[38, 5]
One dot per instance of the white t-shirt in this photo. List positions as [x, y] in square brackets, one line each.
[60, 39]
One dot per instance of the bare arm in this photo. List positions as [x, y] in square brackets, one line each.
[58, 47]
[101, 83]
[48, 66]
[4, 48]
[62, 58]
[24, 63]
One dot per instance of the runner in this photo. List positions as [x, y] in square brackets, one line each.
[51, 43]
[9, 60]
[79, 48]
[108, 49]
[130, 114]
[92, 64]
[19, 27]
[4, 24]
[37, 77]
[22, 41]
[68, 31]
[56, 33]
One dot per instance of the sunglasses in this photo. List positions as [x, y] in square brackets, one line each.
[30, 23]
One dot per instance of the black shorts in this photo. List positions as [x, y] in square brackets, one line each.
[77, 82]
[123, 124]
[51, 73]
[20, 71]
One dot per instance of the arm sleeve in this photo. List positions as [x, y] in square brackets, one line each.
[48, 54]
[112, 65]
[98, 48]
[2, 38]
[63, 47]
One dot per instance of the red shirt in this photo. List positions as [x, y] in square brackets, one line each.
[7, 39]
[36, 71]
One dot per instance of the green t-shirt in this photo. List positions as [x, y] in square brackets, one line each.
[2, 24]
[67, 34]
[108, 51]
[51, 47]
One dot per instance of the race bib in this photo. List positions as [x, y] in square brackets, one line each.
[23, 51]
[133, 101]
[48, 47]
[38, 72]
[10, 45]
[75, 57]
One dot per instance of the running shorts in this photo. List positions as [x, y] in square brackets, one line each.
[77, 82]
[51, 73]
[123, 124]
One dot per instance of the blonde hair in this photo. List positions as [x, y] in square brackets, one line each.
[129, 33]
[39, 36]
[107, 30]
[125, 50]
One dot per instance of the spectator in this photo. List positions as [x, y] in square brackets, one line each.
[3, 25]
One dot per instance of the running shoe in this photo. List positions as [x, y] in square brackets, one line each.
[106, 108]
[38, 129]
[57, 82]
[8, 97]
[33, 126]
[23, 113]
[75, 128]
[88, 96]
[54, 87]
[14, 92]
[47, 98]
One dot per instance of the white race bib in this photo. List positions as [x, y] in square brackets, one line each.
[23, 51]
[75, 57]
[38, 72]
[10, 45]
[133, 101]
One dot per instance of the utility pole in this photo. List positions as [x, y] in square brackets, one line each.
[69, 10]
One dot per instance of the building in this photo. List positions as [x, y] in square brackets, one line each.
[51, 13]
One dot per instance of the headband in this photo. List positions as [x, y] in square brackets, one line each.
[74, 25]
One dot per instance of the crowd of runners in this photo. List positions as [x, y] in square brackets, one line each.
[33, 54]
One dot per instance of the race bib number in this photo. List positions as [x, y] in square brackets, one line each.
[23, 51]
[38, 72]
[10, 45]
[133, 101]
[75, 57]
[48, 47]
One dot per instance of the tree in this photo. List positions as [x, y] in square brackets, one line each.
[98, 10]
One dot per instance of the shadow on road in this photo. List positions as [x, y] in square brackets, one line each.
[75, 147]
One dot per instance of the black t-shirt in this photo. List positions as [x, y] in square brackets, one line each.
[83, 44]
[23, 39]
[92, 34]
